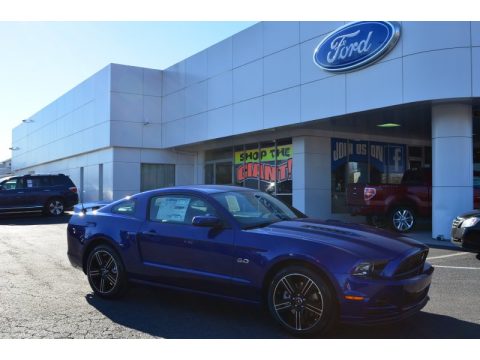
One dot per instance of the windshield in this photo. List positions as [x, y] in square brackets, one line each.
[255, 209]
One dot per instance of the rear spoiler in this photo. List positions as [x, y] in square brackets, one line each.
[90, 206]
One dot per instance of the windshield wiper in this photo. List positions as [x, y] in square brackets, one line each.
[281, 216]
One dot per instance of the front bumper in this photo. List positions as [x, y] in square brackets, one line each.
[385, 300]
[467, 238]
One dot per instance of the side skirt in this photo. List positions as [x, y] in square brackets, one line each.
[159, 285]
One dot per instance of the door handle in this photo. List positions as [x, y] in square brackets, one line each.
[149, 233]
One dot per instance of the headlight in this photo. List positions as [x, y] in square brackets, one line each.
[470, 222]
[363, 269]
[369, 268]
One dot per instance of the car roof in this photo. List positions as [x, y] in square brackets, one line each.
[206, 189]
[35, 175]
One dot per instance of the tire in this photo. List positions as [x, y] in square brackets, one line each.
[300, 300]
[106, 273]
[403, 219]
[54, 207]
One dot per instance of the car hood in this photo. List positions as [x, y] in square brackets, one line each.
[470, 214]
[361, 240]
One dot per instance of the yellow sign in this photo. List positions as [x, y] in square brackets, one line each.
[284, 152]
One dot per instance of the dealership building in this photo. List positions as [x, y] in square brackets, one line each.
[297, 109]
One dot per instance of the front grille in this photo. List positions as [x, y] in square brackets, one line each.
[412, 265]
[457, 222]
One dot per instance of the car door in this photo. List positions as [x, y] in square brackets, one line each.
[11, 195]
[180, 254]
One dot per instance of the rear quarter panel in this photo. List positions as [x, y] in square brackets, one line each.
[118, 231]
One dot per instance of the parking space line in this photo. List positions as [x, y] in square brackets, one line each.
[445, 256]
[456, 267]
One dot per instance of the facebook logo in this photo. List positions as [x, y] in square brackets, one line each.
[396, 158]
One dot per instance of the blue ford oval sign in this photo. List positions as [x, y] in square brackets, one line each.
[356, 45]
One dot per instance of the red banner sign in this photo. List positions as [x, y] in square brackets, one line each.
[265, 172]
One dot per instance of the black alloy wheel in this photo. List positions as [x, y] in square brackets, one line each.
[301, 301]
[105, 272]
[54, 207]
[402, 219]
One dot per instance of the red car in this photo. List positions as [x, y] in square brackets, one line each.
[396, 205]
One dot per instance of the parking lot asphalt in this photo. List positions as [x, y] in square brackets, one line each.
[42, 296]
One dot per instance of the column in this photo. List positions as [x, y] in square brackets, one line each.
[199, 175]
[311, 175]
[452, 165]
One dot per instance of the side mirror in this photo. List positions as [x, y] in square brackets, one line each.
[206, 221]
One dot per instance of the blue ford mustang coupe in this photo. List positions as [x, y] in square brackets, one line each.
[246, 245]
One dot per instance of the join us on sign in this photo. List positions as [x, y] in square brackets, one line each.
[343, 149]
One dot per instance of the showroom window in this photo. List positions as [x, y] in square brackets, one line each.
[218, 166]
[155, 176]
[266, 166]
[363, 162]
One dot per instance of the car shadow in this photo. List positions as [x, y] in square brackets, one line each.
[423, 325]
[33, 219]
[172, 314]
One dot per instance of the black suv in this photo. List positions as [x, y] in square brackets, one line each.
[52, 194]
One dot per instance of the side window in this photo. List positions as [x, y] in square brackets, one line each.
[57, 180]
[45, 181]
[37, 182]
[9, 184]
[179, 209]
[125, 208]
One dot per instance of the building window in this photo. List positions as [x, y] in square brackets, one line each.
[363, 162]
[265, 166]
[218, 167]
[155, 176]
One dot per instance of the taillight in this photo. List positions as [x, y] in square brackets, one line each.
[73, 189]
[369, 193]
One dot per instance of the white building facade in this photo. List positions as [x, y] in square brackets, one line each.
[256, 110]
[5, 167]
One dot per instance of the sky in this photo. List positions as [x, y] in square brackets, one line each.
[40, 61]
